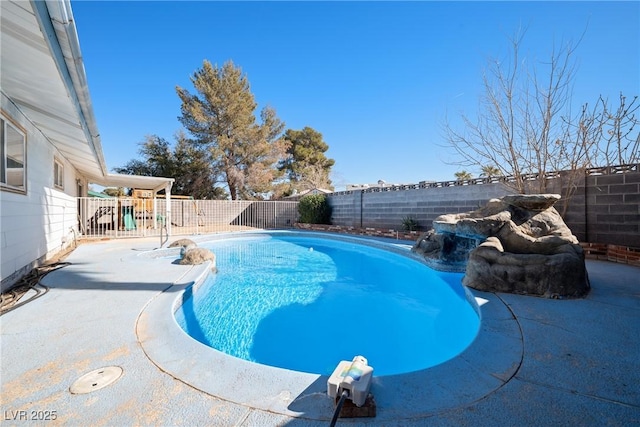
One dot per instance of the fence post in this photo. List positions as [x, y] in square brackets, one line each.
[116, 221]
[197, 217]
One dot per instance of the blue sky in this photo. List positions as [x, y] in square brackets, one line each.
[375, 78]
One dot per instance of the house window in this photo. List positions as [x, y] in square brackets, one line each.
[58, 174]
[13, 145]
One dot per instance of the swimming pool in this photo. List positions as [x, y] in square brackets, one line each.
[300, 302]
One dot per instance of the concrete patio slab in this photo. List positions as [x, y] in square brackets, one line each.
[534, 362]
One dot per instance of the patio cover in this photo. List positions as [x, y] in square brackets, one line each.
[135, 181]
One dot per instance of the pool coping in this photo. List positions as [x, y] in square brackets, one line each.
[472, 375]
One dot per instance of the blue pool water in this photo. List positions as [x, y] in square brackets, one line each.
[306, 303]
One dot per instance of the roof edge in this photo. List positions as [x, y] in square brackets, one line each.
[52, 14]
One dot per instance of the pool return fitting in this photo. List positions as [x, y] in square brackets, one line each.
[352, 380]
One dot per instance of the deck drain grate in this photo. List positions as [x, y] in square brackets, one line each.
[95, 380]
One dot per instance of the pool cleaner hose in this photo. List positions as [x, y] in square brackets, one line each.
[336, 413]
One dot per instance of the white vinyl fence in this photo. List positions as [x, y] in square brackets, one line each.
[119, 217]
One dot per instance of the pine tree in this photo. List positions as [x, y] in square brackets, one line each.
[306, 166]
[221, 117]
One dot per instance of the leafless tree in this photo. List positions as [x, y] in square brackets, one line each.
[621, 137]
[525, 124]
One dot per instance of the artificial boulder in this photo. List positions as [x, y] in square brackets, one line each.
[551, 275]
[195, 256]
[182, 242]
[517, 244]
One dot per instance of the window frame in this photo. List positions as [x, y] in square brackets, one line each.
[5, 122]
[58, 173]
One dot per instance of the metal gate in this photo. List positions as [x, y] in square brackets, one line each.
[130, 217]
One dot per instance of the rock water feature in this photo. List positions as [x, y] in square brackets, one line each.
[517, 244]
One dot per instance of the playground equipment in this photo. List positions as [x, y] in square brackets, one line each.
[140, 210]
[111, 214]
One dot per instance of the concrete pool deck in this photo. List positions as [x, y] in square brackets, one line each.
[535, 361]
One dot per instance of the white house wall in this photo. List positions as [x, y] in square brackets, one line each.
[43, 221]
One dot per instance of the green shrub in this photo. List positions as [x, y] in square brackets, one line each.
[410, 224]
[314, 209]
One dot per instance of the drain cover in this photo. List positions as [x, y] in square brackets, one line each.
[95, 380]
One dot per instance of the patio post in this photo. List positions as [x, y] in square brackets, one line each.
[168, 212]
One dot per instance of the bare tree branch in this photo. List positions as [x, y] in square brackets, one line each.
[525, 126]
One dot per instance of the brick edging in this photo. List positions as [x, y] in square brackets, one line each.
[613, 253]
[599, 251]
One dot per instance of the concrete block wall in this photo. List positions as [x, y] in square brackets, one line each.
[387, 209]
[346, 208]
[612, 209]
[604, 206]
